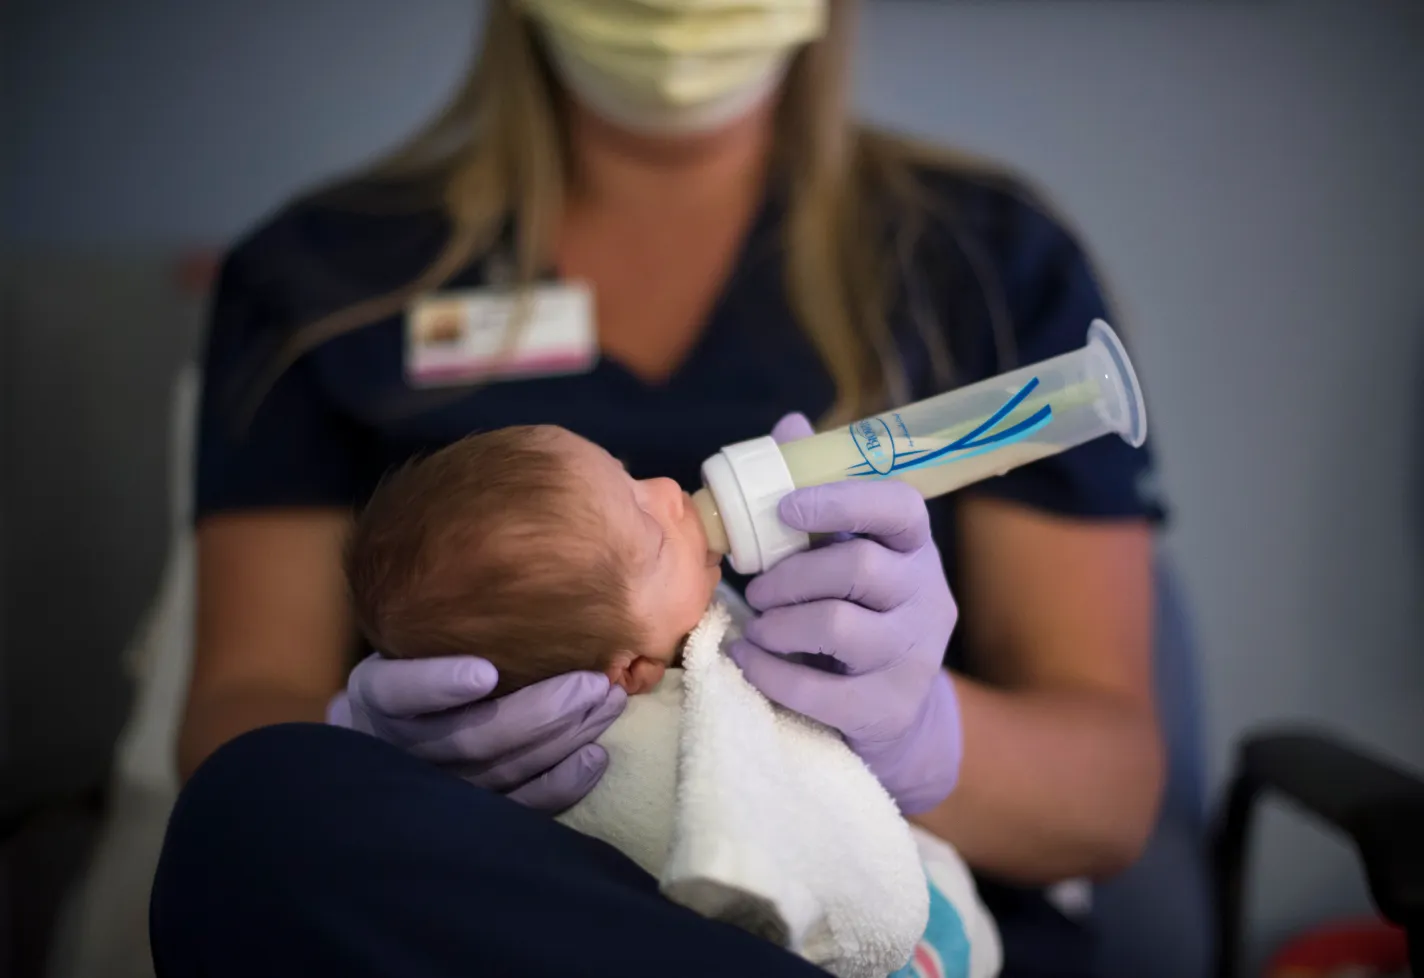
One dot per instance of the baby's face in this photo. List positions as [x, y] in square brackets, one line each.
[673, 574]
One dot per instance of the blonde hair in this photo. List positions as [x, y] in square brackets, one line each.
[499, 156]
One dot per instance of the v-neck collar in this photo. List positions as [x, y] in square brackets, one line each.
[761, 238]
[720, 319]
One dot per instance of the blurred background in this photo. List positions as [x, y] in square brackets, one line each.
[1248, 173]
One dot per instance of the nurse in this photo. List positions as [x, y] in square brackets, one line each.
[704, 243]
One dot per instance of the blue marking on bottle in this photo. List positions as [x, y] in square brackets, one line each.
[867, 436]
[876, 443]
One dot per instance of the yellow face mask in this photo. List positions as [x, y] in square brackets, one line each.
[674, 65]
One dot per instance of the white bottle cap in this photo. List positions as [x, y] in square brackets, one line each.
[747, 480]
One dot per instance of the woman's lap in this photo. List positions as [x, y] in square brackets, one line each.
[1039, 941]
[306, 849]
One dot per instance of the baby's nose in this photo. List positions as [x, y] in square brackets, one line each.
[667, 490]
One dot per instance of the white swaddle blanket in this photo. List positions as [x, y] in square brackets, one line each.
[752, 814]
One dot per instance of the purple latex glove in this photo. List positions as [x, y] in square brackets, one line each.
[878, 604]
[536, 745]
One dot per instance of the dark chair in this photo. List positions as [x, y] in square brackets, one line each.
[1179, 913]
[1376, 804]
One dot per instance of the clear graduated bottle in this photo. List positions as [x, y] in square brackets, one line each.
[937, 445]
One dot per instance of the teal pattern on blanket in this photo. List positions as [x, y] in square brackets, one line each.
[944, 950]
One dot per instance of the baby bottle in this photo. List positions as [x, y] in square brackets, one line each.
[936, 445]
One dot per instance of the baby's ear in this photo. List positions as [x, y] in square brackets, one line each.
[647, 673]
[635, 673]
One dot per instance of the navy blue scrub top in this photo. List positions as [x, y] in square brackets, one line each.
[343, 415]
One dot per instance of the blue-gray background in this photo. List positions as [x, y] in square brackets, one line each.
[1249, 174]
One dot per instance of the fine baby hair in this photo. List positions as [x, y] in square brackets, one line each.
[492, 547]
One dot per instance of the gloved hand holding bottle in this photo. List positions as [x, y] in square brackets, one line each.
[875, 600]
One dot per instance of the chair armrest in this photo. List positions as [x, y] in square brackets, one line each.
[1377, 804]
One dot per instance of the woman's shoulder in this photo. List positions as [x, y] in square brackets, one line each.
[963, 196]
[1011, 281]
[339, 244]
[1012, 285]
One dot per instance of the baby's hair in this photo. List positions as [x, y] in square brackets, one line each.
[491, 547]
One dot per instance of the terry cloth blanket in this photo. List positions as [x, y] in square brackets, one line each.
[752, 814]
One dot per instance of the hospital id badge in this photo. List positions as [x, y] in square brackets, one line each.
[482, 335]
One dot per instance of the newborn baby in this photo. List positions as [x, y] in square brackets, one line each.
[535, 549]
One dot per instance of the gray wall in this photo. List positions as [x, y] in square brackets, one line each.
[1248, 173]
[6, 142]
[85, 381]
[1252, 178]
[5, 438]
[169, 120]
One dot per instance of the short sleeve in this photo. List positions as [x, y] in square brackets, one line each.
[1052, 296]
[295, 448]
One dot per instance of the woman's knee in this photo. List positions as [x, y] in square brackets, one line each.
[296, 804]
[286, 758]
[289, 770]
[241, 832]
[253, 809]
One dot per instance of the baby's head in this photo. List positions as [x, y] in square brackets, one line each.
[535, 549]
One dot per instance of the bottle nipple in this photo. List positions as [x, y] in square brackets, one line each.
[711, 522]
